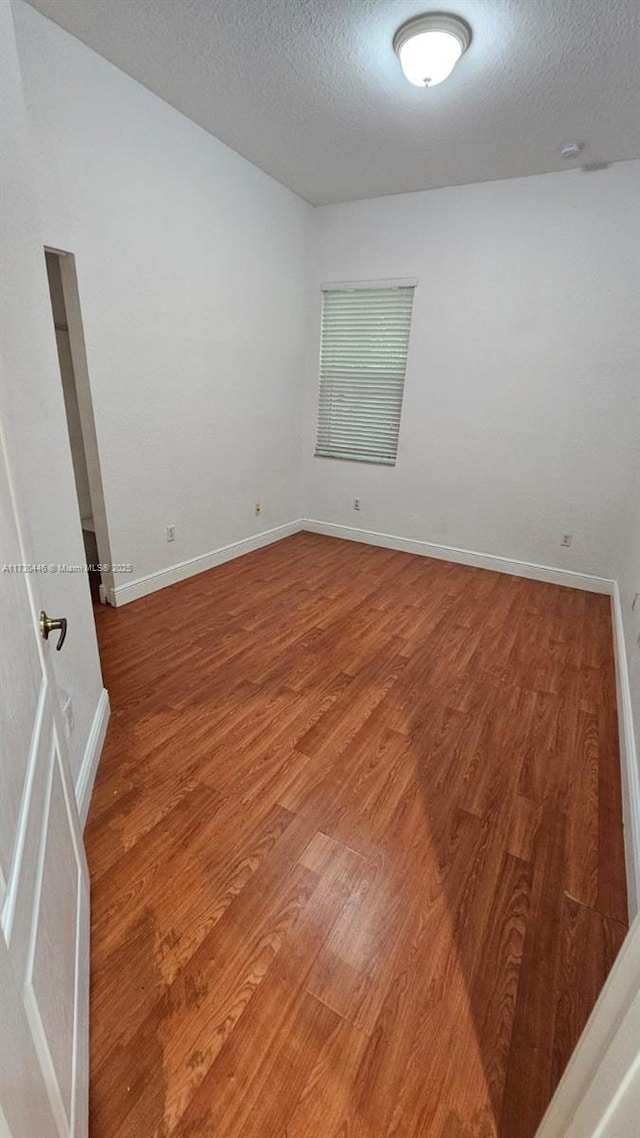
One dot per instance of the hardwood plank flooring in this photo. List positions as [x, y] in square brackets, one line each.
[355, 849]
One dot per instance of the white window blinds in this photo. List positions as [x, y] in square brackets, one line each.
[363, 358]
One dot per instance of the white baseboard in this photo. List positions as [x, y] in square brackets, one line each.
[92, 753]
[141, 586]
[132, 590]
[466, 557]
[628, 760]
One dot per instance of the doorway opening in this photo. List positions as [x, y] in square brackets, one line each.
[74, 374]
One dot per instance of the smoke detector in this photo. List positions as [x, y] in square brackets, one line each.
[570, 150]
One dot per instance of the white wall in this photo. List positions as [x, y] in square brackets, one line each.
[192, 271]
[523, 363]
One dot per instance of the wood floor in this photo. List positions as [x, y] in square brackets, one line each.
[355, 849]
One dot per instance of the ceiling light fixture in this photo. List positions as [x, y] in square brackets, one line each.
[429, 47]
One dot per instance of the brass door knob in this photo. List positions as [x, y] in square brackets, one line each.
[52, 624]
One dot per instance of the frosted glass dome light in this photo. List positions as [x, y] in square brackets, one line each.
[429, 47]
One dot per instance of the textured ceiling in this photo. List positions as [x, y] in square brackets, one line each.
[311, 91]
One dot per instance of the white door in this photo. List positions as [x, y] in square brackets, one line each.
[44, 895]
[44, 887]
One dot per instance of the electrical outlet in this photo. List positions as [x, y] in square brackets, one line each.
[356, 503]
[257, 509]
[566, 539]
[171, 533]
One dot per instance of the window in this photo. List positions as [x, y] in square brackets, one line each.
[363, 358]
